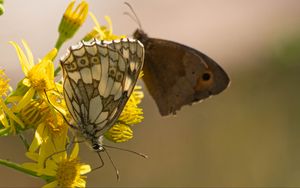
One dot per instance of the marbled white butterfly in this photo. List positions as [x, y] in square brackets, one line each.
[99, 77]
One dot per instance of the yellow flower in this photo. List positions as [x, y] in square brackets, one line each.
[49, 140]
[4, 86]
[63, 170]
[5, 112]
[34, 113]
[40, 111]
[119, 133]
[102, 32]
[131, 115]
[52, 129]
[38, 77]
[71, 21]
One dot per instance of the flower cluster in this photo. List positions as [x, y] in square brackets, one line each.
[37, 104]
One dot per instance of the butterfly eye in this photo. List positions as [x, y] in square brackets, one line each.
[206, 76]
[119, 77]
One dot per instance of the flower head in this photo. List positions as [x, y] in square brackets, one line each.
[38, 77]
[119, 133]
[52, 130]
[61, 169]
[34, 113]
[71, 21]
[131, 115]
[6, 115]
[4, 86]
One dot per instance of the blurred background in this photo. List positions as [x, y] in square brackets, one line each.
[246, 136]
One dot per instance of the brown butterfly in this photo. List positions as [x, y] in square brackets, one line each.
[178, 75]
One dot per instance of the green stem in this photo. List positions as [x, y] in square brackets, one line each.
[59, 42]
[19, 168]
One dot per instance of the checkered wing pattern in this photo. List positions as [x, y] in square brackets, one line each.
[99, 77]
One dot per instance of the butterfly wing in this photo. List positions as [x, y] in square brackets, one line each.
[177, 75]
[98, 81]
[131, 49]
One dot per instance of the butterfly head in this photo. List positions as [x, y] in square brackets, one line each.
[97, 147]
[140, 35]
[96, 144]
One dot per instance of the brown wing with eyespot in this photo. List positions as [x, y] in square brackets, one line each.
[177, 75]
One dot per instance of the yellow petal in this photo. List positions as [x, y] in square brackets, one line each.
[37, 141]
[75, 12]
[26, 66]
[83, 11]
[59, 87]
[59, 156]
[51, 55]
[94, 19]
[25, 100]
[69, 8]
[50, 71]
[51, 185]
[11, 114]
[75, 151]
[26, 82]
[48, 172]
[107, 18]
[12, 99]
[28, 53]
[12, 126]
[30, 166]
[32, 156]
[3, 119]
[80, 183]
[84, 169]
[51, 164]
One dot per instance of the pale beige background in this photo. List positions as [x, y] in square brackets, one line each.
[246, 136]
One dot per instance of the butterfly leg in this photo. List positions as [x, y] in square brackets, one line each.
[102, 162]
[72, 126]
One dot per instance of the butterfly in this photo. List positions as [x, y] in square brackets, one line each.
[98, 79]
[177, 75]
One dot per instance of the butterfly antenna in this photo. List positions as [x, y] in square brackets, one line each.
[72, 126]
[127, 150]
[134, 16]
[113, 164]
